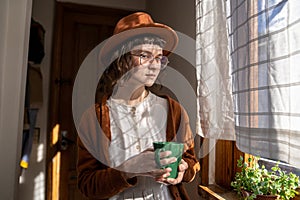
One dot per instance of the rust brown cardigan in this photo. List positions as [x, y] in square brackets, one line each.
[98, 181]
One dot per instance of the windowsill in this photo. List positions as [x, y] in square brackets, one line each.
[285, 167]
[217, 192]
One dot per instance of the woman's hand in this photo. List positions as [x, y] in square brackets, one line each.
[144, 164]
[181, 169]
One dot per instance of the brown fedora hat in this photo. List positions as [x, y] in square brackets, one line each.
[136, 24]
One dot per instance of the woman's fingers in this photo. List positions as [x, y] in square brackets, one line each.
[163, 175]
[181, 170]
[166, 161]
[174, 181]
[164, 154]
[182, 166]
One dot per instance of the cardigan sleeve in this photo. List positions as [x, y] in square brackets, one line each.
[97, 181]
[179, 130]
[189, 155]
[194, 166]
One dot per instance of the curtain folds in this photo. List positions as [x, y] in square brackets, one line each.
[215, 105]
[261, 73]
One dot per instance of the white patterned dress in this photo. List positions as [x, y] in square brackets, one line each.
[133, 130]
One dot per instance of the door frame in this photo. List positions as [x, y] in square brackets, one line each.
[53, 139]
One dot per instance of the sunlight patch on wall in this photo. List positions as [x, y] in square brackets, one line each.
[55, 165]
[40, 153]
[39, 187]
[55, 176]
[55, 132]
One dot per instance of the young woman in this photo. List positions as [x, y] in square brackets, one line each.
[132, 117]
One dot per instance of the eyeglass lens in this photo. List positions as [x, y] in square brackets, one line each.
[149, 58]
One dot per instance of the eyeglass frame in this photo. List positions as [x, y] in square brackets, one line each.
[151, 59]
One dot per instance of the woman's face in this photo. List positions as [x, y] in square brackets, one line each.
[147, 64]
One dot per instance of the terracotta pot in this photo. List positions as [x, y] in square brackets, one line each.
[259, 197]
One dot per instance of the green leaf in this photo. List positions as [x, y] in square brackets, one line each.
[259, 180]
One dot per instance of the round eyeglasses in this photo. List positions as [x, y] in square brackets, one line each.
[147, 58]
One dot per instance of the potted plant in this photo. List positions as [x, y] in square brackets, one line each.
[256, 182]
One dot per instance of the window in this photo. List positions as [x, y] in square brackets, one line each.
[256, 54]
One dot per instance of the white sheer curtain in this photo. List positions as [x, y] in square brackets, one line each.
[263, 44]
[215, 105]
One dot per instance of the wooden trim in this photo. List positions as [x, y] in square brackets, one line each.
[54, 95]
[217, 193]
[211, 193]
[223, 163]
[226, 158]
[226, 162]
[204, 163]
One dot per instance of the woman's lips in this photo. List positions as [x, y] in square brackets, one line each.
[151, 75]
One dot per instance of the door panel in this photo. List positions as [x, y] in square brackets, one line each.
[78, 30]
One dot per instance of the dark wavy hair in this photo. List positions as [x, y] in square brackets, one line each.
[123, 63]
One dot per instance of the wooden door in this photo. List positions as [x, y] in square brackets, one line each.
[78, 29]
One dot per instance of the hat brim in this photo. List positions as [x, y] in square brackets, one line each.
[164, 32]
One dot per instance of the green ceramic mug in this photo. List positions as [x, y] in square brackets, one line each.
[177, 151]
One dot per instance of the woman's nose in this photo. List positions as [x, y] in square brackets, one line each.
[154, 64]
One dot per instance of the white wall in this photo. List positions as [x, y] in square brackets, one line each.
[121, 4]
[181, 17]
[14, 22]
[33, 181]
[178, 14]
